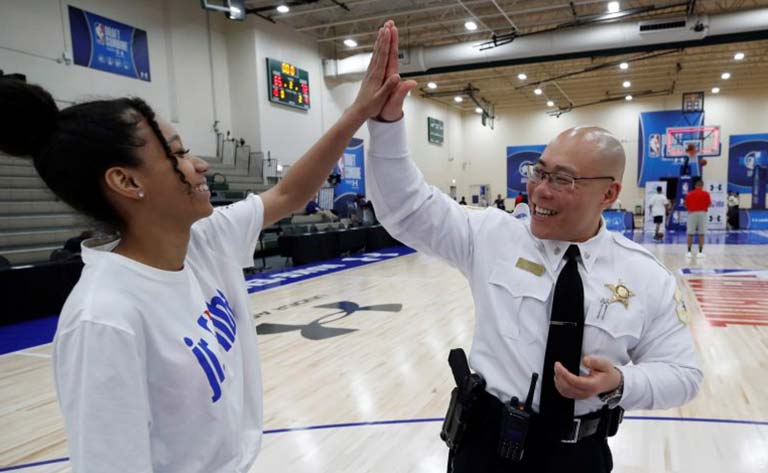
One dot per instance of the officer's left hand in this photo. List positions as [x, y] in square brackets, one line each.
[603, 377]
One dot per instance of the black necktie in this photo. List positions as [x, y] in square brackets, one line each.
[566, 331]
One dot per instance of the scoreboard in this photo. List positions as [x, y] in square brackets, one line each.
[288, 85]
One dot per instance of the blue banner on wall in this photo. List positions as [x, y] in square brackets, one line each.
[753, 219]
[747, 154]
[618, 220]
[351, 168]
[517, 158]
[108, 45]
[652, 161]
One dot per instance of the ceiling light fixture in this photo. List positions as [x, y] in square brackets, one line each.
[470, 25]
[628, 98]
[537, 91]
[350, 43]
[522, 76]
[431, 85]
[738, 56]
[626, 84]
[624, 66]
[725, 75]
[478, 110]
[715, 90]
[458, 99]
[283, 9]
[550, 103]
[613, 7]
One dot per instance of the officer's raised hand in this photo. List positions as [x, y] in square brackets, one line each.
[379, 82]
[603, 377]
[393, 108]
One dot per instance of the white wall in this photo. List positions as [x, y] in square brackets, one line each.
[441, 164]
[34, 33]
[285, 133]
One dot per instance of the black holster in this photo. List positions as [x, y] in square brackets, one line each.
[464, 396]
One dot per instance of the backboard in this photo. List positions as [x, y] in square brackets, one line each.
[706, 139]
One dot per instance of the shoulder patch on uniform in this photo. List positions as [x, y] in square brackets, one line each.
[625, 242]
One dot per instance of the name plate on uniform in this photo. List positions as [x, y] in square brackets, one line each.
[530, 266]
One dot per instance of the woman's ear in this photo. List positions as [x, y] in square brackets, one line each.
[124, 181]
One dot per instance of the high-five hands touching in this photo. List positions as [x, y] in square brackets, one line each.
[382, 93]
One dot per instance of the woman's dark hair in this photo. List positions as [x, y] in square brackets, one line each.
[73, 148]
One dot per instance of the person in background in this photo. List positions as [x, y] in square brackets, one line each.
[657, 207]
[697, 202]
[313, 208]
[691, 154]
[463, 201]
[733, 211]
[499, 203]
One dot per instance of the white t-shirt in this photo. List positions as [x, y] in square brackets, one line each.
[158, 371]
[658, 205]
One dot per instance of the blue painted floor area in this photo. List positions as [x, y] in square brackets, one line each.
[30, 333]
[281, 277]
[41, 331]
[736, 237]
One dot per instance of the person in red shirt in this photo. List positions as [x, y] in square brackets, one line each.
[697, 202]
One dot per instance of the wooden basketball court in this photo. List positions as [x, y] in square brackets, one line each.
[356, 376]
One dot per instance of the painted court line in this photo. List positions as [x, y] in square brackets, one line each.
[428, 420]
[27, 353]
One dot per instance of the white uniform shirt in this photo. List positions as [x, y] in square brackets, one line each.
[658, 204]
[158, 371]
[646, 340]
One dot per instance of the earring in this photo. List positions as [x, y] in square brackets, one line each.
[141, 194]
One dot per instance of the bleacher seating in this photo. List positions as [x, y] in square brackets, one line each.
[34, 223]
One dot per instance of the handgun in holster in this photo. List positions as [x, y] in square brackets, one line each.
[464, 396]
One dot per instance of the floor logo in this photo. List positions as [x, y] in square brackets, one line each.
[318, 329]
[730, 296]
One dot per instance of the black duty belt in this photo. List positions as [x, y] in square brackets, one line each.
[604, 422]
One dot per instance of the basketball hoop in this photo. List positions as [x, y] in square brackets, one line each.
[704, 140]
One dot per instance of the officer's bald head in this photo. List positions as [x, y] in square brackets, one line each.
[594, 150]
[596, 158]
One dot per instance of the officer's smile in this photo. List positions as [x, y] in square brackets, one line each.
[542, 212]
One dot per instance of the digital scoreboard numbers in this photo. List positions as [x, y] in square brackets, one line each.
[288, 85]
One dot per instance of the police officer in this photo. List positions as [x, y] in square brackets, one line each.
[595, 314]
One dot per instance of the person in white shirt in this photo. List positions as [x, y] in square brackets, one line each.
[155, 355]
[593, 313]
[658, 207]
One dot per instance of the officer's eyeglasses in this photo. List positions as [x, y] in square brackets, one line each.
[559, 181]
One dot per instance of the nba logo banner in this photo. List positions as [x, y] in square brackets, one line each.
[109, 46]
[351, 169]
[652, 160]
